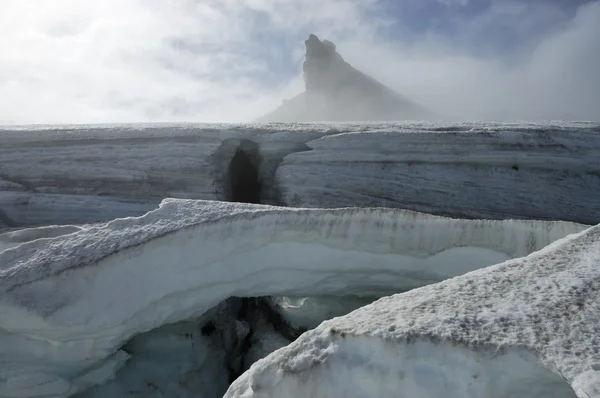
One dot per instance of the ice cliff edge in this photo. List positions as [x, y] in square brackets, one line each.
[336, 91]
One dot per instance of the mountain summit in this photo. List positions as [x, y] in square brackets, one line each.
[336, 91]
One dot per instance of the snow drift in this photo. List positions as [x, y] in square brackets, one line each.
[526, 328]
[69, 303]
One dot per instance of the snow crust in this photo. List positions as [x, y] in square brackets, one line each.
[15, 238]
[369, 367]
[68, 303]
[524, 328]
[83, 174]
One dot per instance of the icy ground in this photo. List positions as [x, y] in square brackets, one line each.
[84, 174]
[526, 328]
[75, 307]
[10, 239]
[181, 301]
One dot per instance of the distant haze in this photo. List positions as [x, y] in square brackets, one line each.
[85, 61]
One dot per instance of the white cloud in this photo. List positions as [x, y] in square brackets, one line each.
[558, 79]
[135, 60]
[85, 61]
[454, 2]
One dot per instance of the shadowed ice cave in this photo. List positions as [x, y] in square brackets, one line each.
[244, 178]
[202, 357]
[199, 357]
[244, 171]
[241, 173]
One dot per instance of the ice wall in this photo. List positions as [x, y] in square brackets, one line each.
[83, 174]
[499, 173]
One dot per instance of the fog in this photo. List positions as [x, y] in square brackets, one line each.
[82, 61]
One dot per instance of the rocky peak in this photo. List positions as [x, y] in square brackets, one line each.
[336, 91]
[321, 65]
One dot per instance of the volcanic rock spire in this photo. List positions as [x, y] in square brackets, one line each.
[336, 91]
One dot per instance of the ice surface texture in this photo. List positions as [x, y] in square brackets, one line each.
[526, 328]
[68, 303]
[15, 238]
[81, 174]
[497, 173]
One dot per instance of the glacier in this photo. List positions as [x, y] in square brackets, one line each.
[489, 173]
[96, 173]
[87, 309]
[525, 328]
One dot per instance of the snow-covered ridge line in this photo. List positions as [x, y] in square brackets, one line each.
[68, 303]
[485, 333]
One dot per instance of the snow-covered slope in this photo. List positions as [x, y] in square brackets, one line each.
[68, 303]
[83, 174]
[526, 328]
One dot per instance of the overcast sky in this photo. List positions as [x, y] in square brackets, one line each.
[88, 61]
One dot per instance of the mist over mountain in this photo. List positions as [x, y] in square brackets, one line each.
[336, 91]
[126, 61]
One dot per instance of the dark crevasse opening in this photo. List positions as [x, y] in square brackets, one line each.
[6, 221]
[245, 171]
[239, 173]
[199, 357]
[244, 178]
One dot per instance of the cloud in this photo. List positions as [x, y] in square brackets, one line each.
[556, 79]
[82, 61]
[129, 60]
